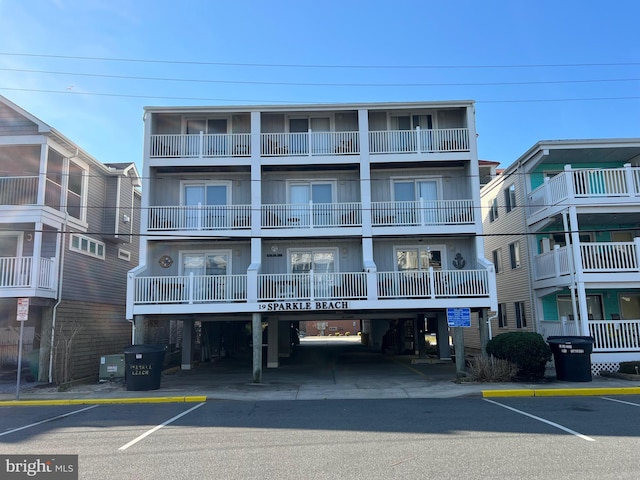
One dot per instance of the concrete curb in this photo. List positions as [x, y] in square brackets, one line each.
[562, 392]
[103, 401]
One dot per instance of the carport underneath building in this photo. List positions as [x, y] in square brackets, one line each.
[211, 339]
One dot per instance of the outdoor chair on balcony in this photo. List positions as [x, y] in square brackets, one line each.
[346, 146]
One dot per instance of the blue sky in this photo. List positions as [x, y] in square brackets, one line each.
[537, 70]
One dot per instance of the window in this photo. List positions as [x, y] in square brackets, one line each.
[311, 203]
[497, 260]
[124, 255]
[88, 246]
[502, 315]
[514, 254]
[75, 190]
[207, 202]
[493, 212]
[414, 259]
[521, 319]
[407, 192]
[510, 198]
[323, 262]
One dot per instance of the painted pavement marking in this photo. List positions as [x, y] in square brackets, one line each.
[540, 419]
[47, 420]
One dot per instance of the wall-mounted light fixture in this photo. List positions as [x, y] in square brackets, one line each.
[126, 219]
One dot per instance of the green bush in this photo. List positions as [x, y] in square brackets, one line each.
[527, 350]
[630, 367]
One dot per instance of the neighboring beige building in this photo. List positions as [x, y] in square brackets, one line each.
[562, 229]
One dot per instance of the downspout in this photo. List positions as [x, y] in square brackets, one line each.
[572, 273]
[59, 294]
[489, 319]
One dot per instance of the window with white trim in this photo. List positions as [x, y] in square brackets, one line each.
[86, 245]
[521, 318]
[510, 198]
[514, 254]
[493, 210]
[502, 315]
[497, 260]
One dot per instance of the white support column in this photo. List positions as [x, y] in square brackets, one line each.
[628, 176]
[256, 333]
[187, 343]
[577, 261]
[36, 255]
[272, 344]
[42, 174]
[256, 176]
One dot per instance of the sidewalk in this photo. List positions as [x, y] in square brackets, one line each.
[347, 372]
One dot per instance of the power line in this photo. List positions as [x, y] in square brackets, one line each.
[329, 66]
[202, 99]
[320, 84]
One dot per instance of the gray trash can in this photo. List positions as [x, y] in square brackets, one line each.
[572, 357]
[143, 366]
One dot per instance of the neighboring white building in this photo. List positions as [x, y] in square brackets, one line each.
[270, 215]
[563, 230]
[68, 237]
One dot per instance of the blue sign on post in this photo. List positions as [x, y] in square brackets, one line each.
[459, 317]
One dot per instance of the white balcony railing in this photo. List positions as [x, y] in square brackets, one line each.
[419, 141]
[311, 286]
[433, 283]
[309, 143]
[190, 289]
[18, 272]
[19, 190]
[200, 217]
[585, 184]
[595, 257]
[423, 212]
[615, 335]
[312, 215]
[200, 145]
[608, 335]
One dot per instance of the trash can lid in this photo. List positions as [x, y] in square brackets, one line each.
[574, 340]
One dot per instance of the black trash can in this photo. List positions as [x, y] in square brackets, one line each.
[572, 357]
[143, 366]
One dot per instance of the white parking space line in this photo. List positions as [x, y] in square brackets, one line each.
[48, 420]
[548, 422]
[154, 429]
[621, 401]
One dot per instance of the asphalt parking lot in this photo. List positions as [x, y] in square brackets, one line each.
[558, 437]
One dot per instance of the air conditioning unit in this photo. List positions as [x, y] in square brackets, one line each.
[112, 367]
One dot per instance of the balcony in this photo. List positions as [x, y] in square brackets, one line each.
[596, 257]
[19, 190]
[200, 217]
[419, 141]
[17, 272]
[422, 212]
[200, 145]
[312, 215]
[609, 335]
[311, 286]
[585, 187]
[308, 143]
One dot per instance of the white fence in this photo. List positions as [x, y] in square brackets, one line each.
[200, 145]
[309, 143]
[422, 212]
[419, 141]
[18, 272]
[312, 215]
[190, 289]
[200, 217]
[608, 335]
